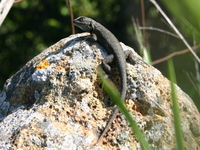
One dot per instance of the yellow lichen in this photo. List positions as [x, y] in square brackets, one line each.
[43, 64]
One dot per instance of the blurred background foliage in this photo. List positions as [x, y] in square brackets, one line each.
[32, 26]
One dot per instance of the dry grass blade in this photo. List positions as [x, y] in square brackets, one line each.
[5, 6]
[175, 29]
[174, 54]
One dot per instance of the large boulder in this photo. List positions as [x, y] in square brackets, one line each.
[57, 102]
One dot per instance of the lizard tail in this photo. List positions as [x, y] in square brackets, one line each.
[123, 85]
[112, 117]
[116, 110]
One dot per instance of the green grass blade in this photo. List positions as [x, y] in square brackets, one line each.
[112, 91]
[144, 50]
[175, 107]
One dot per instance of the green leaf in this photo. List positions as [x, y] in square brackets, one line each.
[175, 107]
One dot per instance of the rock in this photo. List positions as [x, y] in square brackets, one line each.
[57, 102]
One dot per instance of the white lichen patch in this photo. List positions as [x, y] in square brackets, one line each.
[41, 75]
[83, 85]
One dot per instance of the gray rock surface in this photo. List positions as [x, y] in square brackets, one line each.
[57, 102]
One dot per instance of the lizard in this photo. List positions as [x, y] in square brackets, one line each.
[115, 52]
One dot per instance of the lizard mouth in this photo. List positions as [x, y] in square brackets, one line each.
[77, 23]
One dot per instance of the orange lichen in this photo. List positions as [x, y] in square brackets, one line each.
[43, 64]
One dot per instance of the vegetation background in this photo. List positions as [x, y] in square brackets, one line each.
[32, 26]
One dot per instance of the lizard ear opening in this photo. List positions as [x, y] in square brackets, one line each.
[91, 25]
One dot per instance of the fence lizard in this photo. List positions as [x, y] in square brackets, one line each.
[116, 55]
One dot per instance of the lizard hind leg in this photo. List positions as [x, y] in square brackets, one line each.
[129, 56]
[105, 65]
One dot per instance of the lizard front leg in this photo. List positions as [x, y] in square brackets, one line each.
[91, 39]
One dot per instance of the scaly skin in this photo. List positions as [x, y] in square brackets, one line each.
[116, 55]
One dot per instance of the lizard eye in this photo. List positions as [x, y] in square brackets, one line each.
[81, 19]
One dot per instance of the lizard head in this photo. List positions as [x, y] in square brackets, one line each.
[84, 23]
